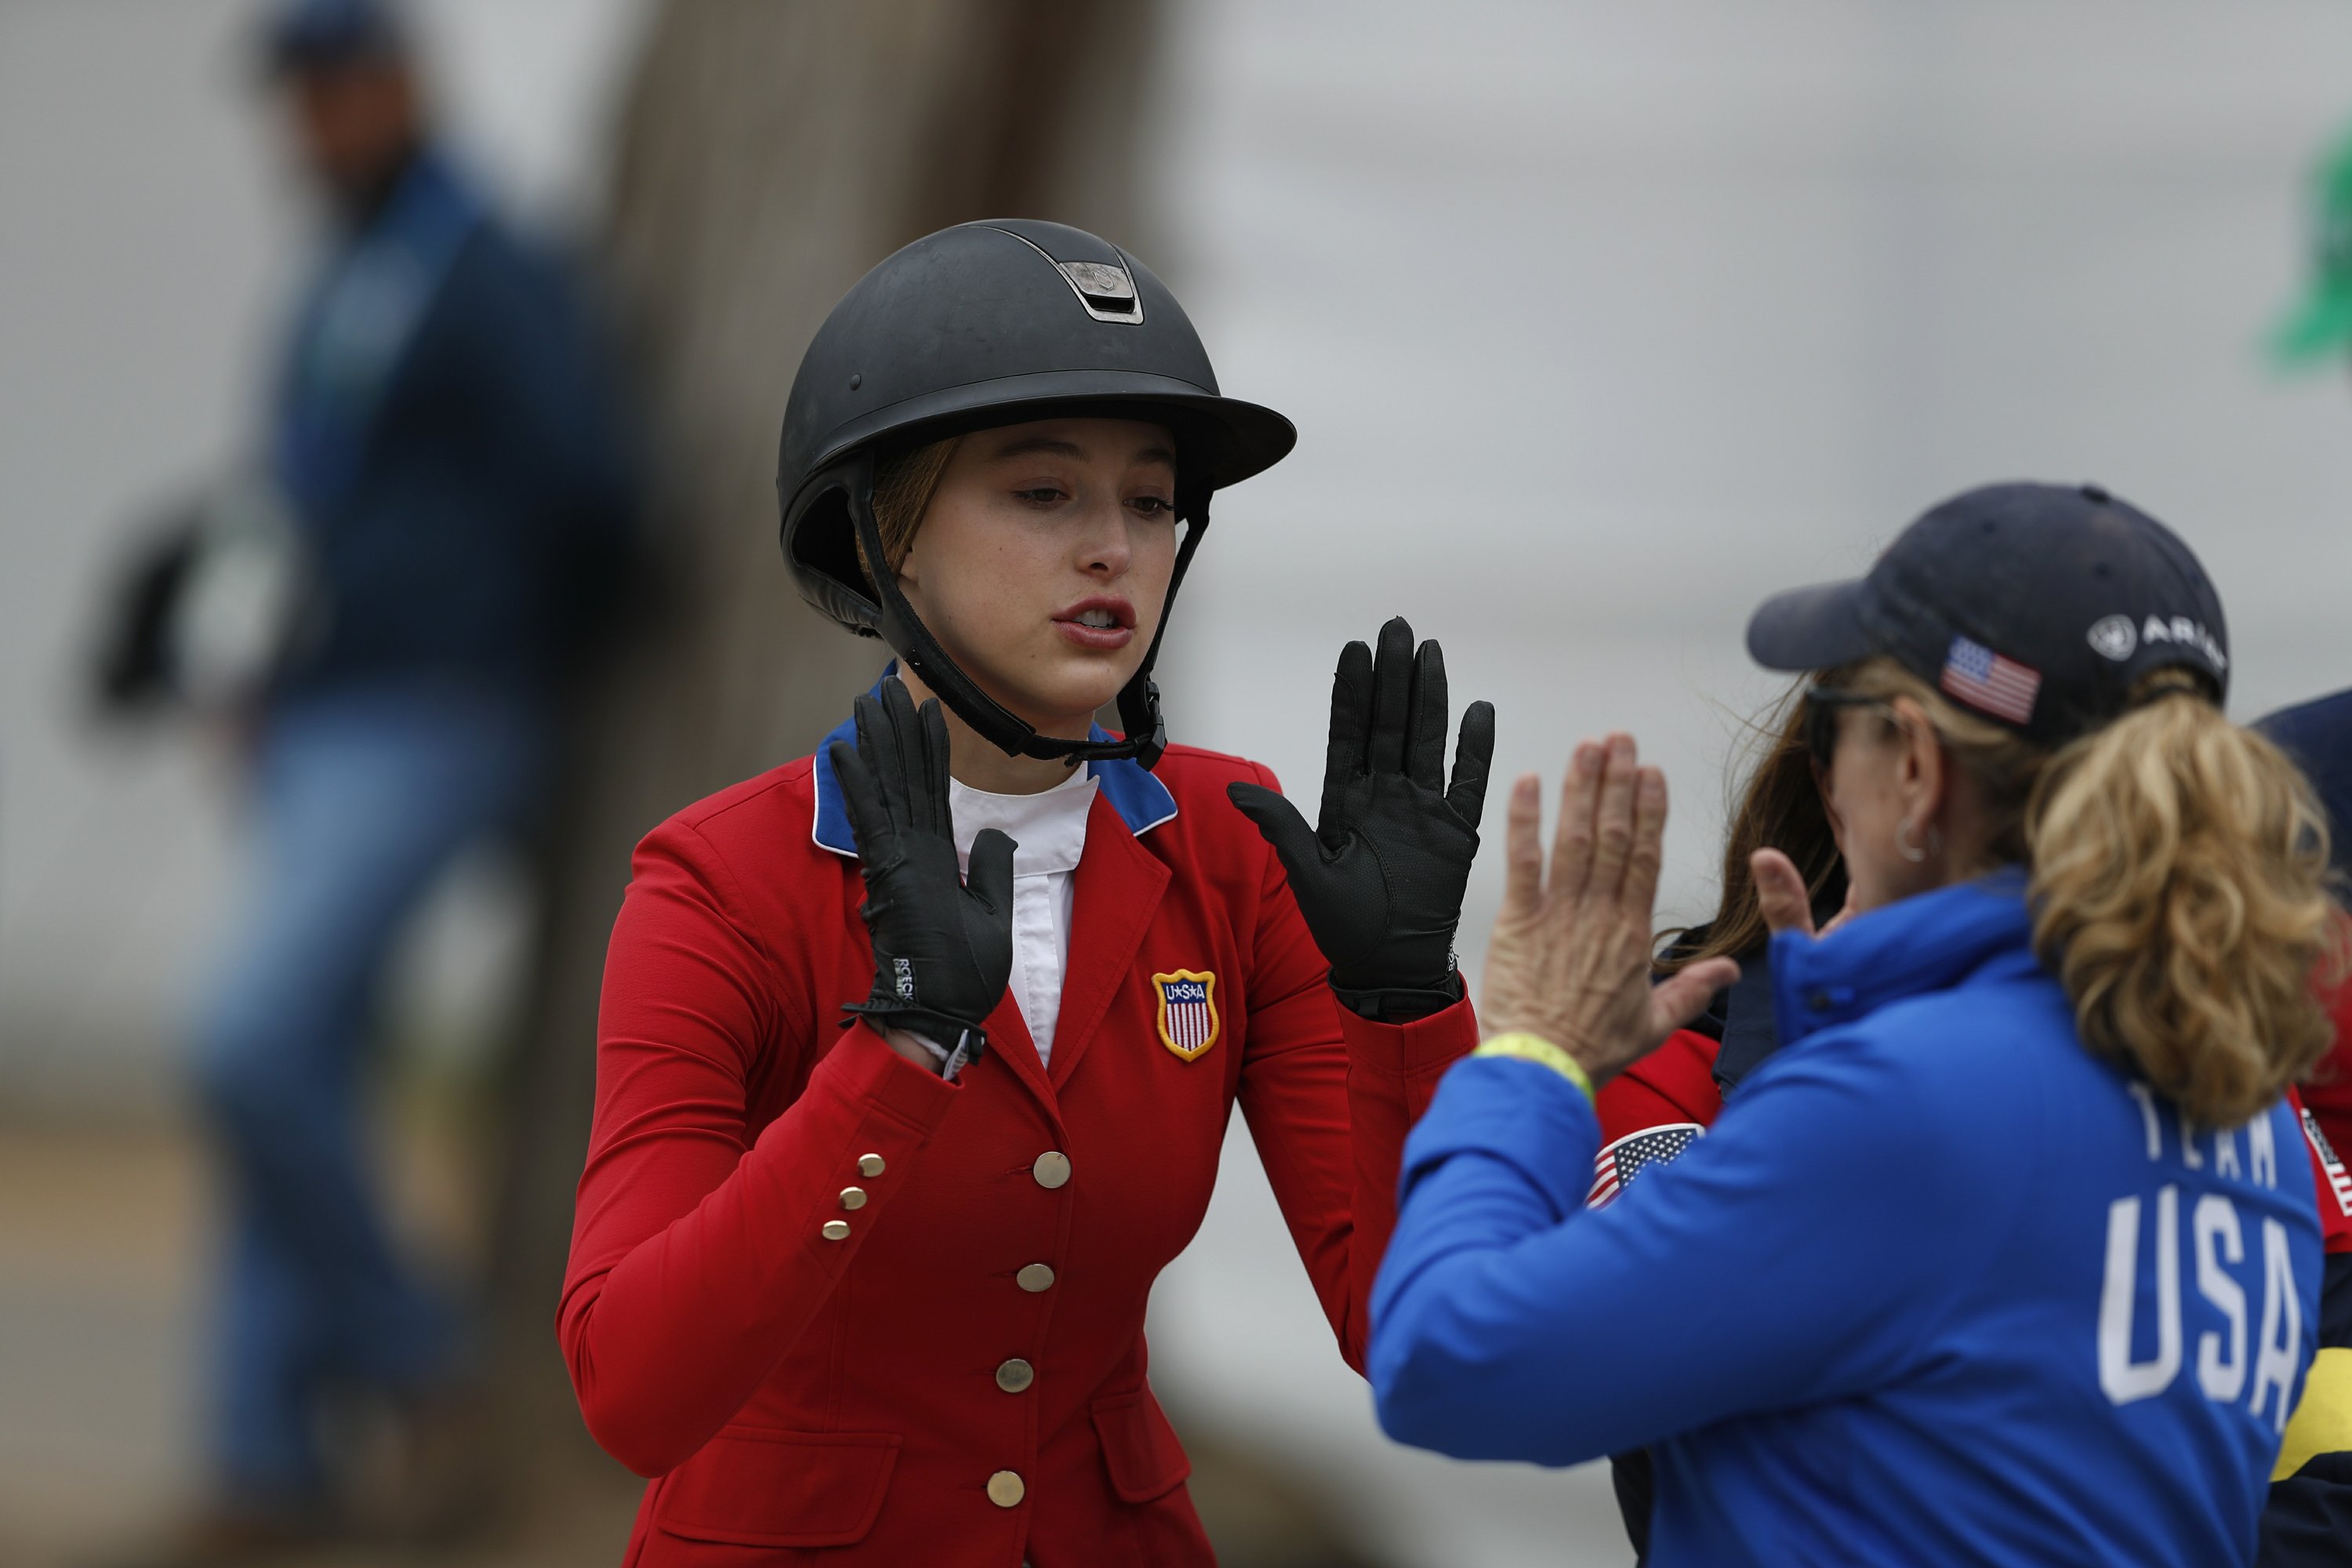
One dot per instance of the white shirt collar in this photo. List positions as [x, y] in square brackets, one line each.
[1050, 827]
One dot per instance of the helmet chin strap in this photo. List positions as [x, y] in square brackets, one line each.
[1139, 699]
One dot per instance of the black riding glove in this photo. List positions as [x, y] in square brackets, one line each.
[1380, 878]
[942, 945]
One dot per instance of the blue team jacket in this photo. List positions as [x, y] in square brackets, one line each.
[451, 440]
[1939, 1287]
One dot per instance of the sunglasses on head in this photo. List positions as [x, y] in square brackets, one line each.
[1822, 705]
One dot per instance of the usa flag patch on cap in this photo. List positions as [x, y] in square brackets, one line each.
[1989, 683]
[1614, 1168]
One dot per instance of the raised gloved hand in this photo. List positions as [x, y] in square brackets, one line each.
[942, 945]
[1379, 878]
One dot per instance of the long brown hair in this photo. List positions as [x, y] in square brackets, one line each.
[1779, 807]
[2179, 880]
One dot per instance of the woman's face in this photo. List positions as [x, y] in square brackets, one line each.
[1881, 787]
[1041, 564]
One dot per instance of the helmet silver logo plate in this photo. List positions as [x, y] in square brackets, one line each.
[1106, 291]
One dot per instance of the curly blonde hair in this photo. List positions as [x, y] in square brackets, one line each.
[2178, 881]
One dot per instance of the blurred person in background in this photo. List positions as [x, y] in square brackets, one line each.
[1656, 1107]
[1901, 1305]
[447, 451]
[917, 1055]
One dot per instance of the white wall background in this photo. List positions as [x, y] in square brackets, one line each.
[1598, 320]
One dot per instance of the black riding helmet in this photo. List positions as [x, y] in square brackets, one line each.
[987, 325]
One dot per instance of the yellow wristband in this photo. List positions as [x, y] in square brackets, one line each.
[1536, 1049]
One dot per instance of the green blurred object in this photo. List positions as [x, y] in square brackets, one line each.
[2321, 323]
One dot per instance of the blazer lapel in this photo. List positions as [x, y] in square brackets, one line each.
[1118, 888]
[1009, 1042]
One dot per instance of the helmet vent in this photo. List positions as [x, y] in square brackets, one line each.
[1107, 292]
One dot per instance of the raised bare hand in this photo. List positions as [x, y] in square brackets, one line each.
[1570, 961]
[1783, 898]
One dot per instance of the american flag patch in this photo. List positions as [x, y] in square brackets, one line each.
[1989, 683]
[1614, 1168]
[1188, 1011]
[2336, 1178]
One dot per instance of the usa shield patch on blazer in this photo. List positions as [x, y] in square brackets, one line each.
[1188, 1011]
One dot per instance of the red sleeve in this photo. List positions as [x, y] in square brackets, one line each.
[2328, 1094]
[1330, 1097]
[2327, 1171]
[1673, 1084]
[696, 1252]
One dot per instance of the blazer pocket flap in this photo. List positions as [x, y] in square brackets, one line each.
[1138, 1447]
[759, 1486]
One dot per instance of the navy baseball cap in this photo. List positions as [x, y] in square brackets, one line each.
[303, 35]
[2039, 606]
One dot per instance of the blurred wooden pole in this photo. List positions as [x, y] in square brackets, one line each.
[768, 153]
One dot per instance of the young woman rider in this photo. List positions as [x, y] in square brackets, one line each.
[886, 1156]
[2006, 1255]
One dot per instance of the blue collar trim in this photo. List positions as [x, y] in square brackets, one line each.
[1142, 801]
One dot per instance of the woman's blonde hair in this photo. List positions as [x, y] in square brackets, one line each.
[904, 484]
[2179, 880]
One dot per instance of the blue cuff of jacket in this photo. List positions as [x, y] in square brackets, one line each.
[1519, 1112]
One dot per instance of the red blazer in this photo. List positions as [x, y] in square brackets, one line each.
[958, 1379]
